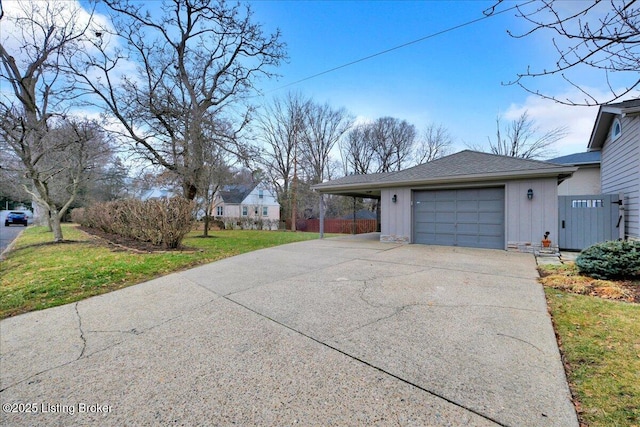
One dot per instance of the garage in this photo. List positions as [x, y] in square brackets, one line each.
[468, 199]
[461, 217]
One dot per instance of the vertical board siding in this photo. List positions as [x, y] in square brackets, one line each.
[528, 220]
[621, 171]
[395, 217]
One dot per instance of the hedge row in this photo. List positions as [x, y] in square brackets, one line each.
[163, 222]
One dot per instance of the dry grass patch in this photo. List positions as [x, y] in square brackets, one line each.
[567, 278]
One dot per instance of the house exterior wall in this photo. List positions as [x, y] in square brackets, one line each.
[252, 201]
[525, 220]
[620, 171]
[268, 200]
[528, 220]
[395, 218]
[586, 180]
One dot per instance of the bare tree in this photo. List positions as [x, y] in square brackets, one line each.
[324, 127]
[281, 128]
[392, 142]
[32, 109]
[434, 143]
[600, 35]
[523, 138]
[358, 151]
[196, 62]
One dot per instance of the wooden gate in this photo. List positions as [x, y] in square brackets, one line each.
[585, 220]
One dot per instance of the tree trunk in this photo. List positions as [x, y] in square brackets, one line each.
[54, 221]
[205, 232]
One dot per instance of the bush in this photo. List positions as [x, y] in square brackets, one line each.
[611, 260]
[161, 222]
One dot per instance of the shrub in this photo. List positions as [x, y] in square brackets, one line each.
[611, 260]
[161, 222]
[78, 215]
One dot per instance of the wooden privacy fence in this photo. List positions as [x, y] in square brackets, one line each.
[345, 226]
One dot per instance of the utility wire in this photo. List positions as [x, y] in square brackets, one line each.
[487, 15]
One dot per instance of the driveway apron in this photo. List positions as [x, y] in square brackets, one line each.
[345, 331]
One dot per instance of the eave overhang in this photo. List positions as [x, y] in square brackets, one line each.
[362, 189]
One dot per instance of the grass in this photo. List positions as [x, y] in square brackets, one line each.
[600, 343]
[38, 274]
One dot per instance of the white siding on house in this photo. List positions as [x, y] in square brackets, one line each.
[528, 220]
[585, 180]
[620, 171]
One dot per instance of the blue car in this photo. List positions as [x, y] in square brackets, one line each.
[19, 218]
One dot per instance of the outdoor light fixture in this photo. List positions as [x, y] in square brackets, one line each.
[394, 198]
[530, 194]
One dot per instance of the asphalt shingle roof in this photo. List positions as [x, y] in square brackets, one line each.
[466, 163]
[585, 158]
[235, 194]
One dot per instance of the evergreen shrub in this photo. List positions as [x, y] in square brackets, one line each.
[611, 260]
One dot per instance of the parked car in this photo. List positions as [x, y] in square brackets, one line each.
[15, 218]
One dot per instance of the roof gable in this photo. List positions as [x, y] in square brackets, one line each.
[235, 194]
[604, 119]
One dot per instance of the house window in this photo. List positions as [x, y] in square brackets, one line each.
[593, 203]
[260, 194]
[616, 129]
[265, 211]
[245, 211]
[220, 211]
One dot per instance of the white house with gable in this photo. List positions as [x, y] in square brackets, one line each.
[247, 206]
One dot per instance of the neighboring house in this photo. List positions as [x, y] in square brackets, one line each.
[586, 180]
[157, 193]
[254, 203]
[466, 199]
[616, 135]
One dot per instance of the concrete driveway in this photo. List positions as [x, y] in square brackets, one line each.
[346, 331]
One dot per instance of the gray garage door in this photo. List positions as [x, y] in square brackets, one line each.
[468, 217]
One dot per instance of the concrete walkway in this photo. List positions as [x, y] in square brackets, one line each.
[335, 332]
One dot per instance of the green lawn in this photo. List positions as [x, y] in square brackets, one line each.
[600, 341]
[38, 274]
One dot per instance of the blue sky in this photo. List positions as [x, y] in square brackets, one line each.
[455, 79]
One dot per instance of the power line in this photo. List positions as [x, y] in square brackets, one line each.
[488, 15]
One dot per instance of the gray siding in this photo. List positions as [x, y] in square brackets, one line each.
[620, 171]
[527, 220]
[395, 217]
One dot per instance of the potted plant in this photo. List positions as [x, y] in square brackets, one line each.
[545, 240]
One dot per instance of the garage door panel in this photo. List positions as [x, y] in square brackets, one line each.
[490, 230]
[467, 206]
[445, 205]
[465, 217]
[463, 228]
[491, 218]
[491, 205]
[469, 217]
